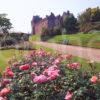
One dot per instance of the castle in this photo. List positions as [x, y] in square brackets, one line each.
[49, 22]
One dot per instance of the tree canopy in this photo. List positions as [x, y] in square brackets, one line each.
[5, 24]
[89, 19]
[69, 22]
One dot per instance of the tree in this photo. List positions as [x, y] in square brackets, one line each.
[5, 24]
[69, 22]
[88, 20]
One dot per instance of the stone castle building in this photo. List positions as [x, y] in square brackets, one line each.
[49, 22]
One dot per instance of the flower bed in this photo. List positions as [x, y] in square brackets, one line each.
[44, 76]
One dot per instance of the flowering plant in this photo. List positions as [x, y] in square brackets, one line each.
[44, 76]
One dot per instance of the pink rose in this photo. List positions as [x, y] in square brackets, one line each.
[34, 64]
[57, 61]
[5, 92]
[73, 66]
[40, 79]
[52, 72]
[33, 74]
[94, 79]
[3, 98]
[24, 67]
[9, 72]
[68, 96]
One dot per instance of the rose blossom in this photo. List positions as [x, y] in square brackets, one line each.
[6, 81]
[68, 96]
[33, 74]
[57, 61]
[24, 67]
[40, 79]
[52, 72]
[94, 79]
[73, 66]
[3, 98]
[9, 72]
[34, 64]
[5, 91]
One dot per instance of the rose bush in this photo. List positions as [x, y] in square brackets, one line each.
[44, 76]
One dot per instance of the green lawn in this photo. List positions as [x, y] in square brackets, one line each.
[35, 38]
[84, 40]
[6, 55]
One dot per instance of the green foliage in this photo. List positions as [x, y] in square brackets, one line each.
[12, 39]
[45, 31]
[5, 24]
[57, 30]
[69, 23]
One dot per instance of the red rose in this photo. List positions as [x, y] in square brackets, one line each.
[24, 67]
[6, 81]
[5, 92]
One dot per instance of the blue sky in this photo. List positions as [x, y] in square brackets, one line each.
[21, 11]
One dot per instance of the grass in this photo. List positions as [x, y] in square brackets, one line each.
[35, 38]
[85, 40]
[6, 55]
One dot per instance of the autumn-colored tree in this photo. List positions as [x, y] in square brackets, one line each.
[89, 19]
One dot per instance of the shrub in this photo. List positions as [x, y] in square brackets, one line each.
[12, 39]
[44, 76]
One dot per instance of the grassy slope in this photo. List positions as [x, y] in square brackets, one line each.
[85, 40]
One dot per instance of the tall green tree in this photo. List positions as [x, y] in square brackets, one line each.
[5, 24]
[69, 22]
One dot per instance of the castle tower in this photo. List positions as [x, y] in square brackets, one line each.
[34, 21]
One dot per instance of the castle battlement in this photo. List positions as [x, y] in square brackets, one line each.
[49, 22]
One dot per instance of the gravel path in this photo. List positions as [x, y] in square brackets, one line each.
[83, 52]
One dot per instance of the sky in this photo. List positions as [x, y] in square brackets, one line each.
[21, 11]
